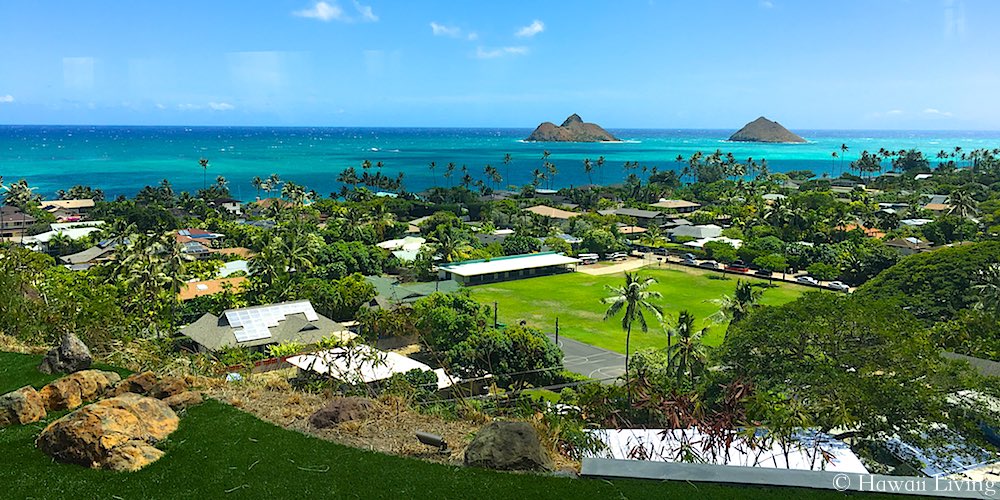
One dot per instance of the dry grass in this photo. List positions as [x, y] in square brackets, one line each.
[390, 428]
[11, 344]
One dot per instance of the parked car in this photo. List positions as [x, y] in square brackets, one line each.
[807, 280]
[763, 273]
[618, 256]
[711, 264]
[838, 285]
[689, 262]
[660, 251]
[689, 256]
[588, 258]
[738, 267]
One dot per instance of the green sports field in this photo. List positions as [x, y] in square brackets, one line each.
[575, 298]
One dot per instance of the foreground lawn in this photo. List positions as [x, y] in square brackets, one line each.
[221, 452]
[576, 299]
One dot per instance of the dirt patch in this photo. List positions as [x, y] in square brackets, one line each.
[390, 427]
[12, 344]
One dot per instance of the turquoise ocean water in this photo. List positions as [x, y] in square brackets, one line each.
[121, 160]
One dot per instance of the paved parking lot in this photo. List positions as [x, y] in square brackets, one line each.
[593, 362]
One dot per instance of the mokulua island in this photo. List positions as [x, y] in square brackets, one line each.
[574, 129]
[764, 130]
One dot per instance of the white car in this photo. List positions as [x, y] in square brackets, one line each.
[617, 256]
[838, 285]
[807, 280]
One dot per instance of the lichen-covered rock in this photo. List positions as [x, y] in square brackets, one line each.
[20, 407]
[168, 386]
[138, 383]
[116, 433]
[72, 355]
[341, 410]
[508, 446]
[183, 400]
[73, 390]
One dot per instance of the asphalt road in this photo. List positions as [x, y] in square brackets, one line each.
[593, 362]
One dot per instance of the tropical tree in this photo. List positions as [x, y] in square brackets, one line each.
[257, 183]
[203, 162]
[507, 158]
[988, 288]
[452, 244]
[634, 297]
[737, 306]
[588, 168]
[962, 204]
[687, 357]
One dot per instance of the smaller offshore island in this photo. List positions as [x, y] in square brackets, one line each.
[764, 130]
[574, 129]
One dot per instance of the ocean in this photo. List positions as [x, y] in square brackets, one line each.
[123, 159]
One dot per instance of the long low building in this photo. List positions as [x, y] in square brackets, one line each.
[472, 272]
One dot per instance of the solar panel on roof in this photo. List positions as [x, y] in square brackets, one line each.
[254, 323]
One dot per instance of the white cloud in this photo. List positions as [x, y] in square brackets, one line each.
[322, 11]
[365, 11]
[326, 11]
[188, 107]
[160, 106]
[473, 36]
[221, 106]
[767, 4]
[531, 30]
[936, 112]
[442, 30]
[482, 53]
[894, 112]
[6, 99]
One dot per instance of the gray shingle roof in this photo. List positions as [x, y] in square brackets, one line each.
[214, 333]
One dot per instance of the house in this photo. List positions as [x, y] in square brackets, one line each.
[696, 232]
[390, 293]
[497, 236]
[921, 177]
[672, 223]
[363, 364]
[260, 326]
[915, 222]
[473, 272]
[771, 198]
[680, 206]
[67, 210]
[630, 230]
[644, 218]
[870, 232]
[413, 227]
[230, 205]
[13, 222]
[405, 249]
[260, 207]
[98, 254]
[700, 243]
[199, 234]
[937, 208]
[71, 230]
[194, 289]
[551, 212]
[908, 246]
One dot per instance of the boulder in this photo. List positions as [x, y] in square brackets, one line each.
[20, 407]
[508, 446]
[167, 387]
[73, 390]
[70, 356]
[183, 400]
[341, 410]
[116, 433]
[138, 383]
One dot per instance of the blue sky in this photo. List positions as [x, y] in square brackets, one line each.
[844, 64]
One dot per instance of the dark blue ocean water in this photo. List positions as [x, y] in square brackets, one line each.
[122, 159]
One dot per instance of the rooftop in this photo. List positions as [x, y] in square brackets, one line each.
[510, 263]
[675, 204]
[193, 289]
[551, 212]
[263, 325]
[51, 205]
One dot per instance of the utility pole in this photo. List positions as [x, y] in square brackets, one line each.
[494, 314]
[557, 331]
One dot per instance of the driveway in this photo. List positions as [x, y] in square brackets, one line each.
[597, 270]
[593, 362]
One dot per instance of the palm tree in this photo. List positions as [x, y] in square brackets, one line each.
[833, 161]
[734, 308]
[962, 204]
[451, 244]
[988, 286]
[843, 155]
[686, 358]
[449, 171]
[600, 168]
[257, 183]
[588, 167]
[203, 162]
[432, 165]
[635, 298]
[507, 158]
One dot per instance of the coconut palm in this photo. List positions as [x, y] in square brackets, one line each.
[988, 286]
[507, 158]
[600, 168]
[257, 183]
[588, 167]
[734, 308]
[686, 357]
[451, 244]
[449, 171]
[634, 297]
[203, 162]
[962, 204]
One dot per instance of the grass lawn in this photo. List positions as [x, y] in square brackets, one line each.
[220, 452]
[576, 299]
